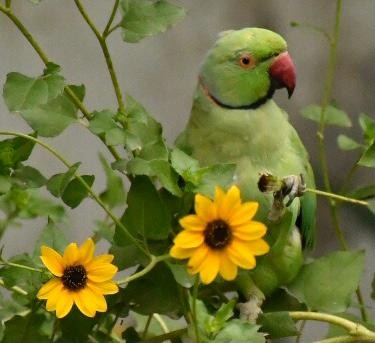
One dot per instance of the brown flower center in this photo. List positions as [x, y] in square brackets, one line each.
[74, 277]
[217, 234]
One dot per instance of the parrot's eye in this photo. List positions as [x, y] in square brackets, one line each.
[246, 61]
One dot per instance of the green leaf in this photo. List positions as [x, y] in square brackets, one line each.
[156, 168]
[371, 205]
[54, 117]
[346, 143]
[328, 283]
[75, 192]
[13, 151]
[29, 177]
[58, 182]
[335, 330]
[76, 327]
[144, 18]
[156, 292]
[114, 194]
[277, 324]
[367, 125]
[333, 115]
[104, 231]
[181, 274]
[25, 329]
[8, 309]
[5, 184]
[225, 312]
[363, 193]
[22, 92]
[52, 237]
[185, 166]
[146, 214]
[216, 175]
[240, 331]
[368, 157]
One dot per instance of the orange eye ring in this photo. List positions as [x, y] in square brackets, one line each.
[246, 61]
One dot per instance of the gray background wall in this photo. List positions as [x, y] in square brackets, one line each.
[161, 73]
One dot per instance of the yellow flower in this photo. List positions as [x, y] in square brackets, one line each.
[220, 236]
[80, 278]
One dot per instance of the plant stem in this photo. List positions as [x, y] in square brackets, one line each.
[337, 197]
[346, 339]
[327, 95]
[168, 336]
[107, 56]
[21, 266]
[194, 309]
[154, 260]
[45, 60]
[149, 320]
[354, 329]
[113, 29]
[16, 289]
[83, 182]
[161, 322]
[112, 16]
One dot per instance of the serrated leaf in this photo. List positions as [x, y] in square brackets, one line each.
[22, 92]
[52, 118]
[333, 115]
[328, 283]
[52, 237]
[13, 151]
[367, 125]
[156, 168]
[75, 192]
[277, 324]
[58, 182]
[156, 292]
[29, 177]
[240, 331]
[346, 143]
[144, 18]
[181, 274]
[368, 157]
[146, 214]
[115, 193]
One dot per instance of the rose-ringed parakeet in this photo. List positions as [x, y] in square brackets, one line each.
[235, 120]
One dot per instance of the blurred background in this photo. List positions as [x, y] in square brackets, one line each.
[161, 73]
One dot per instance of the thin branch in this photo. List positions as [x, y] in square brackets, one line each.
[337, 197]
[111, 18]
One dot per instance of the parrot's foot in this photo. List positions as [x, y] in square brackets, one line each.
[295, 186]
[251, 309]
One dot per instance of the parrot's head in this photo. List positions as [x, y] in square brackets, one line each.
[245, 66]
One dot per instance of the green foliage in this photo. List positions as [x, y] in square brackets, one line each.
[368, 157]
[333, 115]
[278, 324]
[327, 284]
[346, 143]
[52, 237]
[144, 18]
[75, 191]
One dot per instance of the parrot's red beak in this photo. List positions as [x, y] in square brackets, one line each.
[283, 72]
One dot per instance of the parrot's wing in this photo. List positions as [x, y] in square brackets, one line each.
[306, 220]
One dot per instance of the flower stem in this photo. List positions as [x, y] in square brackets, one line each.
[21, 266]
[83, 182]
[356, 330]
[114, 28]
[347, 339]
[112, 16]
[7, 11]
[154, 260]
[15, 289]
[107, 56]
[194, 309]
[337, 196]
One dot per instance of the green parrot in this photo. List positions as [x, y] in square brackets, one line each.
[235, 120]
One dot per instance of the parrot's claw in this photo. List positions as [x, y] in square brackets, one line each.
[295, 186]
[251, 309]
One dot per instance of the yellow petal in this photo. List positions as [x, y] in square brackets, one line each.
[86, 251]
[109, 287]
[101, 259]
[210, 267]
[241, 255]
[49, 287]
[102, 272]
[71, 254]
[244, 213]
[229, 203]
[197, 258]
[192, 223]
[181, 253]
[258, 247]
[189, 239]
[98, 298]
[205, 208]
[251, 231]
[228, 270]
[64, 303]
[84, 299]
[53, 298]
[52, 260]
